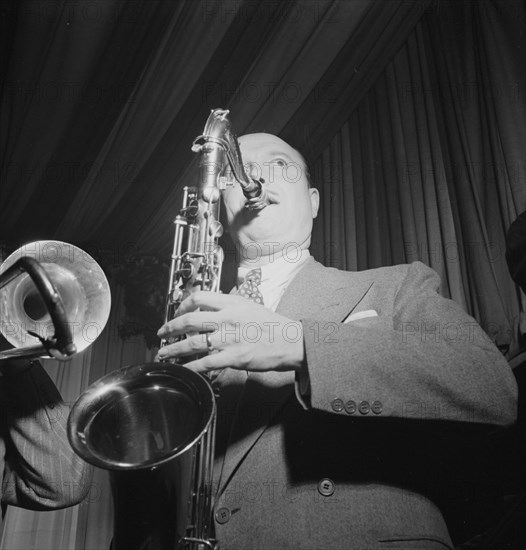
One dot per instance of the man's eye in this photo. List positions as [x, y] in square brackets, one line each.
[279, 162]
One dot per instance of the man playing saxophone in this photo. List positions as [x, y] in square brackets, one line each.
[341, 399]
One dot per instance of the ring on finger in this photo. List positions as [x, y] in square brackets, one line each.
[209, 345]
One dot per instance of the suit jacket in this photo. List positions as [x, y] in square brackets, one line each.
[38, 468]
[361, 459]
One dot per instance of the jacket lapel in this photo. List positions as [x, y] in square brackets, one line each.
[317, 293]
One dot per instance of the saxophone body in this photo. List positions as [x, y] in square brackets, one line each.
[152, 426]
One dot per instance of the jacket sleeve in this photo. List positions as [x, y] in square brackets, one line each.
[428, 359]
[40, 470]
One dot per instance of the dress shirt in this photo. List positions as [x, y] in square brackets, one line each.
[275, 277]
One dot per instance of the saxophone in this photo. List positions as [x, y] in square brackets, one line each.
[152, 426]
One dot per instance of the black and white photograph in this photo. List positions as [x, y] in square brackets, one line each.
[262, 274]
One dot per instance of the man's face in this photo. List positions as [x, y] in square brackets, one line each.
[287, 221]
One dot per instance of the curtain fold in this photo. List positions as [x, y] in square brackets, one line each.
[62, 87]
[169, 78]
[430, 165]
[104, 99]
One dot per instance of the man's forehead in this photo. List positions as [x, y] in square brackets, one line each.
[262, 144]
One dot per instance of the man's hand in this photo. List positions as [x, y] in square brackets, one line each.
[242, 335]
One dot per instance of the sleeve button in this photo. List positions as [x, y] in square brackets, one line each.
[337, 405]
[326, 487]
[350, 407]
[222, 515]
[364, 407]
[377, 407]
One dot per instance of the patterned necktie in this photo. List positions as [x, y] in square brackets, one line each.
[249, 288]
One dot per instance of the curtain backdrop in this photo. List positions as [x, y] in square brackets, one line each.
[101, 100]
[430, 166]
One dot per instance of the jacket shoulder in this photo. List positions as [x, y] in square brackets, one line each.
[390, 275]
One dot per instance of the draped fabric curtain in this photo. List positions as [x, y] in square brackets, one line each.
[68, 69]
[100, 101]
[430, 165]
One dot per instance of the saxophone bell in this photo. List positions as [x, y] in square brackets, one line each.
[152, 427]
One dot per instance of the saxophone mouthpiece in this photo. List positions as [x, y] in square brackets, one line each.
[257, 196]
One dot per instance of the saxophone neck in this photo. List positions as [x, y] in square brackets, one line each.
[219, 139]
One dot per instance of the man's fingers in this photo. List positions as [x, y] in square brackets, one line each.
[214, 361]
[197, 345]
[200, 343]
[211, 301]
[196, 321]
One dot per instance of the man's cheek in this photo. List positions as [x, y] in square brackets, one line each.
[229, 202]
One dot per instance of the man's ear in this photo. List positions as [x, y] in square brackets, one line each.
[314, 201]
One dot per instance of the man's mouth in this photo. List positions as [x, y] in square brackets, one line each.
[272, 199]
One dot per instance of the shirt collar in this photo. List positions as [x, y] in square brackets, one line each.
[279, 270]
